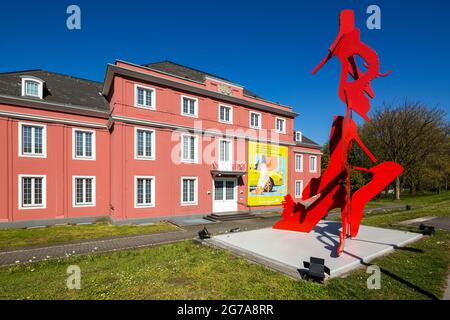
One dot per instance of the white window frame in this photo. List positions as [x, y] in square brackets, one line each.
[250, 120]
[44, 141]
[276, 125]
[298, 136]
[298, 196]
[74, 145]
[301, 162]
[44, 192]
[191, 203]
[315, 163]
[195, 160]
[74, 193]
[40, 87]
[230, 162]
[231, 113]
[152, 142]
[152, 194]
[144, 106]
[195, 115]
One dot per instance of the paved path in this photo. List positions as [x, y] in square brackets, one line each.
[447, 291]
[29, 255]
[35, 254]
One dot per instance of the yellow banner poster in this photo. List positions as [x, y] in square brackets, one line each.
[267, 173]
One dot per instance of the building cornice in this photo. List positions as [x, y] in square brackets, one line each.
[53, 106]
[30, 117]
[218, 133]
[113, 70]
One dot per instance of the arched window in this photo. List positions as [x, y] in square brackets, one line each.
[32, 87]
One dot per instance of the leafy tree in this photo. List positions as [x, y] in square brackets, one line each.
[410, 134]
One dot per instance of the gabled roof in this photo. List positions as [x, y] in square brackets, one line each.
[59, 89]
[189, 73]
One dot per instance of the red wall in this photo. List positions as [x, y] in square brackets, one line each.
[58, 166]
[115, 166]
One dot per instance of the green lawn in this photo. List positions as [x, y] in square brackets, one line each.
[421, 199]
[12, 238]
[187, 271]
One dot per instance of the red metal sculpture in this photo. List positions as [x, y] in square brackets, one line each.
[333, 187]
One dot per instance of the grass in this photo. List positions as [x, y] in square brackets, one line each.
[187, 271]
[13, 238]
[421, 199]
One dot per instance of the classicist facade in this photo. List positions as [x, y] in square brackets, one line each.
[152, 141]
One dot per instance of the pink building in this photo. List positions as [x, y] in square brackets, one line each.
[152, 142]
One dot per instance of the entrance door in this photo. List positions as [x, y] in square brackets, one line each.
[225, 195]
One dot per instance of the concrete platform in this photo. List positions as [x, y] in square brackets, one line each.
[285, 251]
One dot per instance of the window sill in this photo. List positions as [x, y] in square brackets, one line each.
[143, 206]
[144, 158]
[32, 155]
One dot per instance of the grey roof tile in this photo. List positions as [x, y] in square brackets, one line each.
[189, 73]
[59, 88]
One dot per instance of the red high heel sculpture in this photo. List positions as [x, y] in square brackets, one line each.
[333, 186]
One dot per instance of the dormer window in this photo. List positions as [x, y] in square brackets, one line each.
[32, 87]
[298, 136]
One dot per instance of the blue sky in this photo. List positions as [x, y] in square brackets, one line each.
[270, 47]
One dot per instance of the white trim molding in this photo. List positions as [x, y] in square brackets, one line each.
[259, 120]
[93, 146]
[152, 105]
[195, 115]
[298, 195]
[74, 192]
[152, 144]
[196, 151]
[301, 162]
[43, 205]
[33, 141]
[315, 164]
[152, 192]
[231, 113]
[276, 125]
[29, 117]
[189, 203]
[39, 82]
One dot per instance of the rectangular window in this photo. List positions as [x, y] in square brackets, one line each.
[189, 106]
[225, 114]
[144, 192]
[32, 140]
[144, 144]
[255, 120]
[189, 148]
[312, 164]
[218, 190]
[83, 144]
[298, 136]
[229, 190]
[83, 191]
[188, 191]
[280, 125]
[31, 88]
[144, 97]
[32, 191]
[299, 163]
[225, 150]
[298, 188]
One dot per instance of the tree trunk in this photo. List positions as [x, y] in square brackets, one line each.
[413, 189]
[397, 188]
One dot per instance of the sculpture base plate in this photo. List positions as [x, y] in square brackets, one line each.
[285, 251]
